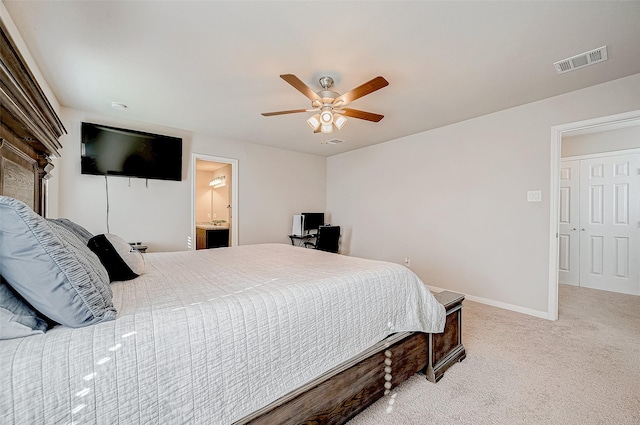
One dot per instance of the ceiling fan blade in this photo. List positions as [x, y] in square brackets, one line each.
[300, 86]
[293, 111]
[355, 113]
[363, 90]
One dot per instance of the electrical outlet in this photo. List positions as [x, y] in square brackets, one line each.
[407, 261]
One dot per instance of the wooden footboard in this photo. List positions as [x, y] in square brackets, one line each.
[351, 387]
[446, 348]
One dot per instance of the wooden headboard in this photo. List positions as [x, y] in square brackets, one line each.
[29, 129]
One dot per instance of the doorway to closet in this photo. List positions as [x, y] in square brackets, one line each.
[599, 218]
[560, 135]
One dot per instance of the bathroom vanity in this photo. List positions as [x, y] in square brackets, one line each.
[212, 236]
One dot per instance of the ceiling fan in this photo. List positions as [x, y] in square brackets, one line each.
[329, 105]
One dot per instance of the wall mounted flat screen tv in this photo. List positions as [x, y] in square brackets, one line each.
[115, 151]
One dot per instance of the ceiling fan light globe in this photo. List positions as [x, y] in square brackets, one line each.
[339, 121]
[327, 128]
[314, 122]
[326, 117]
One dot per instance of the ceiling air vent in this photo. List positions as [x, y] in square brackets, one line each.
[334, 141]
[581, 60]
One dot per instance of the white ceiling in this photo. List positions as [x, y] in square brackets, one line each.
[203, 165]
[211, 67]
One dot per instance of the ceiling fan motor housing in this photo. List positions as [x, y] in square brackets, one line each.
[326, 98]
[326, 82]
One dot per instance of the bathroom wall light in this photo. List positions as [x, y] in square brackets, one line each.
[217, 182]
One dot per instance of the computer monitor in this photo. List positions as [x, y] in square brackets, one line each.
[312, 221]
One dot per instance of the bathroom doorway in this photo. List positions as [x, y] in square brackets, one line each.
[214, 202]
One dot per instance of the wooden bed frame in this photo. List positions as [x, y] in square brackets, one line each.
[29, 133]
[29, 129]
[348, 389]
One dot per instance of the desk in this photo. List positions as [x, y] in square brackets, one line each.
[301, 239]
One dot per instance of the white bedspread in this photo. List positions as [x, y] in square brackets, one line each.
[207, 337]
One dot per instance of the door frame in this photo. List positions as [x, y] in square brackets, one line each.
[556, 143]
[234, 195]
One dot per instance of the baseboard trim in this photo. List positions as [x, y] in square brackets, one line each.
[499, 304]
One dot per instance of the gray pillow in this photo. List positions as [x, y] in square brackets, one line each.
[51, 268]
[74, 228]
[17, 319]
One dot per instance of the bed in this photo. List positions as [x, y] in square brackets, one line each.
[252, 334]
[213, 336]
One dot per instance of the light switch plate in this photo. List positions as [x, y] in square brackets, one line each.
[534, 196]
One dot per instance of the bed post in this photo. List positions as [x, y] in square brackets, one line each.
[446, 348]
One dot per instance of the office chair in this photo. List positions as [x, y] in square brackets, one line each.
[326, 239]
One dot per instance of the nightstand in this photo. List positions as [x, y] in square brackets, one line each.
[138, 246]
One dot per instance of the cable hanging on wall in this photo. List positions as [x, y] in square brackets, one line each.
[106, 185]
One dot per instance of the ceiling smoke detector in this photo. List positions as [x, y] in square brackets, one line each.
[119, 106]
[580, 61]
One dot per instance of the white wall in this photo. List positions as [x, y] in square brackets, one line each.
[203, 196]
[602, 141]
[454, 199]
[273, 185]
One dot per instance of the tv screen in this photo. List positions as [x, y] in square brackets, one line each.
[119, 152]
[313, 220]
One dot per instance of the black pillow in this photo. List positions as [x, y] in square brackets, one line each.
[121, 260]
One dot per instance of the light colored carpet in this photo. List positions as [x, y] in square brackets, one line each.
[582, 369]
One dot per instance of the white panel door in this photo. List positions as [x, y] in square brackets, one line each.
[569, 220]
[610, 223]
